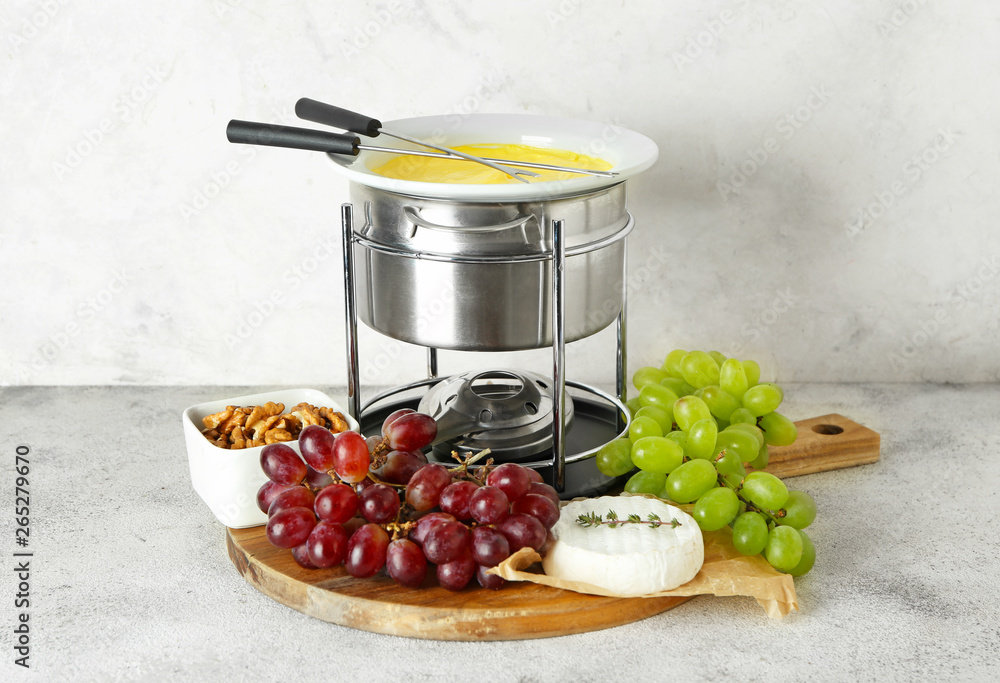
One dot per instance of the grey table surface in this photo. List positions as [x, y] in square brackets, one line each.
[130, 579]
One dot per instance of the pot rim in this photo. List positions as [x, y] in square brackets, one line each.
[630, 153]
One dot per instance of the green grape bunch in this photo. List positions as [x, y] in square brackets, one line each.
[699, 420]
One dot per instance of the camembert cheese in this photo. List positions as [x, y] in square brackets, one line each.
[629, 559]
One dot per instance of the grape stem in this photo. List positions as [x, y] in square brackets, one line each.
[406, 512]
[771, 515]
[399, 529]
[374, 478]
[336, 479]
[380, 453]
[462, 470]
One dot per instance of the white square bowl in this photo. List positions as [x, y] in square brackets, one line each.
[228, 480]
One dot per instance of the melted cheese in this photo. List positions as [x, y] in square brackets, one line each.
[437, 170]
[631, 559]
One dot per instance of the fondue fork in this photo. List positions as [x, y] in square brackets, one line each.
[329, 115]
[526, 164]
[273, 135]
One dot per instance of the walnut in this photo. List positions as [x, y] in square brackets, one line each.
[277, 436]
[253, 418]
[239, 427]
[239, 440]
[266, 414]
[271, 408]
[214, 420]
[292, 424]
[238, 419]
[308, 415]
[337, 421]
[265, 425]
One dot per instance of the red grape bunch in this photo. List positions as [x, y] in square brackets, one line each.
[377, 503]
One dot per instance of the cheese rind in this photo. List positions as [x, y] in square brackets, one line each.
[630, 559]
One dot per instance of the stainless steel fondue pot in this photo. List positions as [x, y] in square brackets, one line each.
[476, 276]
[469, 267]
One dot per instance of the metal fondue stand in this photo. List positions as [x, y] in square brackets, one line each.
[556, 257]
[509, 243]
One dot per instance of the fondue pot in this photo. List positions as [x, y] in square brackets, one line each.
[486, 268]
[468, 267]
[476, 276]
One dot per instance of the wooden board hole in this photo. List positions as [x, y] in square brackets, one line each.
[828, 429]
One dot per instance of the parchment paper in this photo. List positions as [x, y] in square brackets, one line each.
[724, 572]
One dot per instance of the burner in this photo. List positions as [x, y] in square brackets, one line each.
[509, 412]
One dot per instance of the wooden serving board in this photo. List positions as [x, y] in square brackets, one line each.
[828, 442]
[519, 610]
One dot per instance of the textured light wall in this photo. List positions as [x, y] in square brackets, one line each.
[825, 199]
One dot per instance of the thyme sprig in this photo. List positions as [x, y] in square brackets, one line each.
[653, 520]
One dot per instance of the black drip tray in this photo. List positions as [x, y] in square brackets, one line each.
[594, 424]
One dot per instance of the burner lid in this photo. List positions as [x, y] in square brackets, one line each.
[507, 411]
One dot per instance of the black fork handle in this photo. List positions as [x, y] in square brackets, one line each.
[337, 117]
[273, 135]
